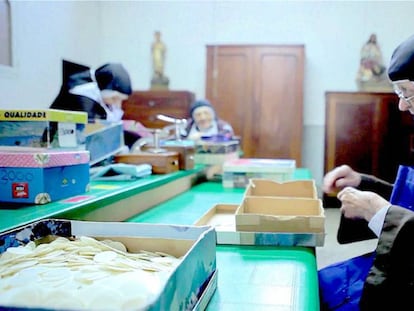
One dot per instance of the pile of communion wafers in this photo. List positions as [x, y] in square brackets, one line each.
[82, 274]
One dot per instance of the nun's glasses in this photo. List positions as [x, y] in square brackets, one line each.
[404, 86]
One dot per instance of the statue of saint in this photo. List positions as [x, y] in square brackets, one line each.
[158, 51]
[372, 71]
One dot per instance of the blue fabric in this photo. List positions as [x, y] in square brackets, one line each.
[403, 191]
[341, 284]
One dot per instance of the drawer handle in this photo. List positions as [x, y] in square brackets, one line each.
[151, 103]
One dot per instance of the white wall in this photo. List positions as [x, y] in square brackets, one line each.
[93, 32]
[43, 33]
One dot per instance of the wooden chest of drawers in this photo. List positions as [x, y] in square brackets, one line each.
[143, 106]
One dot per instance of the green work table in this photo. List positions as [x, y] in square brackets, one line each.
[249, 277]
[105, 201]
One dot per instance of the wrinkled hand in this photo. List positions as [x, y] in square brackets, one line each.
[360, 204]
[339, 178]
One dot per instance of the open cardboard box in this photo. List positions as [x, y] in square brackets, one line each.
[280, 214]
[190, 285]
[222, 218]
[293, 188]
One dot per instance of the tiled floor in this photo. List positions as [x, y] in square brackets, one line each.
[333, 252]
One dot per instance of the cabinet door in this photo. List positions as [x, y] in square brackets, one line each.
[259, 90]
[363, 130]
[229, 87]
[277, 105]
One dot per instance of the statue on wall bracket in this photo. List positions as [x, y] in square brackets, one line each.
[372, 73]
[158, 51]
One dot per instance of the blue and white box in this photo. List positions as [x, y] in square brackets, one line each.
[42, 176]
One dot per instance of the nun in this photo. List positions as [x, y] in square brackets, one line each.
[205, 124]
[98, 92]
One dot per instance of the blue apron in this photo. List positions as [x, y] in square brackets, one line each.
[341, 284]
[403, 191]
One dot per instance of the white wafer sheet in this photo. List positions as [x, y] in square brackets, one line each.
[82, 274]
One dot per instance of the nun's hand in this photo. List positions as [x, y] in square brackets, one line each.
[360, 204]
[339, 178]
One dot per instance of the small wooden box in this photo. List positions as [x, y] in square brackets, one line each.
[185, 155]
[162, 163]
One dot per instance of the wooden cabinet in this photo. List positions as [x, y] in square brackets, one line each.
[259, 90]
[368, 132]
[143, 106]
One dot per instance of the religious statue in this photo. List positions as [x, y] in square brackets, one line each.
[372, 71]
[158, 52]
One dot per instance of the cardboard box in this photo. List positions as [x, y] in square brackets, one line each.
[222, 218]
[279, 214]
[215, 158]
[236, 173]
[191, 284]
[43, 176]
[293, 188]
[103, 140]
[216, 146]
[48, 128]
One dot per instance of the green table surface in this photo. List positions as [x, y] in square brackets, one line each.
[249, 277]
[101, 193]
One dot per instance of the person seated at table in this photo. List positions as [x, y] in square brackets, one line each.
[374, 208]
[204, 123]
[98, 92]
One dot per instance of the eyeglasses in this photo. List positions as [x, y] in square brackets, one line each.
[403, 86]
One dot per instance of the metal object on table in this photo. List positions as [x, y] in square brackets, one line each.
[179, 125]
[154, 140]
[156, 143]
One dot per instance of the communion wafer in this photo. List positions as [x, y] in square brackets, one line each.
[84, 273]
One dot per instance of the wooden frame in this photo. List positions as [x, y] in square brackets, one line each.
[5, 34]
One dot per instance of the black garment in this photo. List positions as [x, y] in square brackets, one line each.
[73, 75]
[68, 101]
[111, 76]
[390, 282]
[354, 230]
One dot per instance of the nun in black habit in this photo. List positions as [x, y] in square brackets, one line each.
[98, 92]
